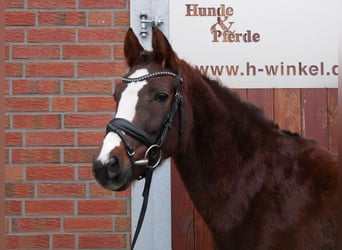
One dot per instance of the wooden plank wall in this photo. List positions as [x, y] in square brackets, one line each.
[310, 112]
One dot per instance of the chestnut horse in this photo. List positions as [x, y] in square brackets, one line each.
[255, 185]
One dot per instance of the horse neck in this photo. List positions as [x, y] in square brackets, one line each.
[223, 135]
[209, 134]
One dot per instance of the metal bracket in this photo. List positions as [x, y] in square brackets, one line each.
[155, 21]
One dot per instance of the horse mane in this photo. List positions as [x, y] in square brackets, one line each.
[228, 97]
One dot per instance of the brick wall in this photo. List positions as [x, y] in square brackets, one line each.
[62, 61]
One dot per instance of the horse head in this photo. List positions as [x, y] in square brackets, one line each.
[147, 124]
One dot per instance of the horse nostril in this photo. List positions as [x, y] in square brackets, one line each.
[114, 168]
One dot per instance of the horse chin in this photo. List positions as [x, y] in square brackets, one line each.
[118, 183]
[116, 187]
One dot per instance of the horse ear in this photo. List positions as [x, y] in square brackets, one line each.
[132, 47]
[163, 51]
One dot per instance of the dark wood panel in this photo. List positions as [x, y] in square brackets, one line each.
[203, 239]
[183, 214]
[333, 129]
[242, 93]
[263, 98]
[287, 109]
[314, 115]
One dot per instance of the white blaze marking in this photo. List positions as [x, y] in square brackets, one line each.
[111, 141]
[126, 110]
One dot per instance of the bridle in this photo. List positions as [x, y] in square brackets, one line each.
[122, 126]
[153, 154]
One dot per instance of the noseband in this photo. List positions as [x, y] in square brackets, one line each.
[154, 145]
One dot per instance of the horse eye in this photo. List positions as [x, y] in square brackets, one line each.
[161, 97]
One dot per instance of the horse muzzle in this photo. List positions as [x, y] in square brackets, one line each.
[111, 174]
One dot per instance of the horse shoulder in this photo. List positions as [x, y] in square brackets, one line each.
[318, 176]
[301, 192]
[318, 167]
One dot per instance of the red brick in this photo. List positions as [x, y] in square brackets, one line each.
[85, 86]
[51, 35]
[61, 18]
[57, 172]
[101, 35]
[19, 18]
[49, 69]
[22, 225]
[98, 241]
[49, 207]
[105, 4]
[16, 104]
[125, 193]
[35, 51]
[86, 51]
[13, 207]
[50, 138]
[102, 103]
[109, 207]
[97, 191]
[6, 88]
[82, 224]
[7, 52]
[27, 242]
[63, 103]
[75, 18]
[85, 172]
[43, 4]
[63, 241]
[122, 224]
[13, 138]
[55, 178]
[29, 155]
[13, 69]
[119, 52]
[90, 138]
[7, 155]
[121, 18]
[20, 4]
[13, 173]
[37, 121]
[61, 189]
[79, 155]
[6, 121]
[101, 68]
[100, 18]
[6, 225]
[14, 35]
[16, 190]
[86, 120]
[35, 86]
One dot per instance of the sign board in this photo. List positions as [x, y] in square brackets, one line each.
[259, 44]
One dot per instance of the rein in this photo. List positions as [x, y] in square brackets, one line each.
[153, 153]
